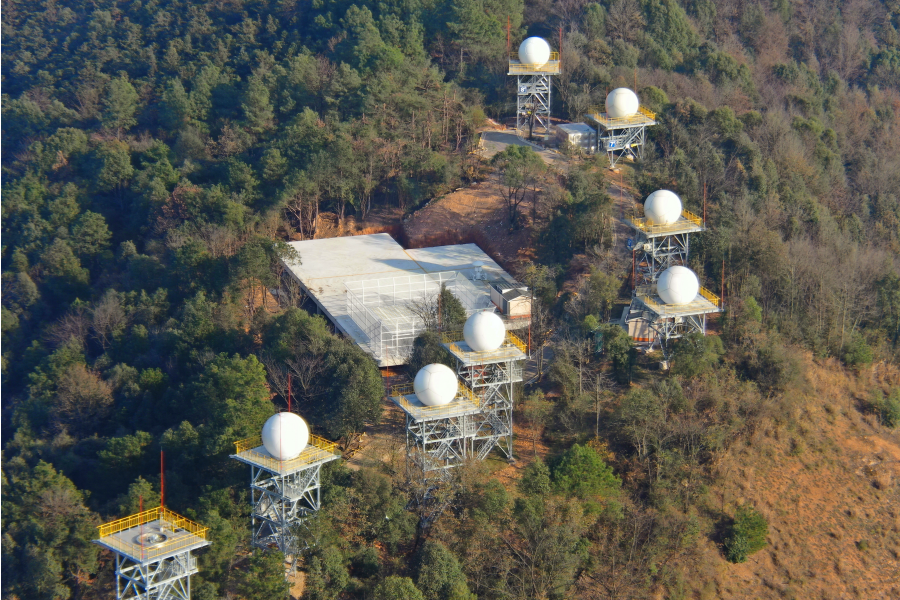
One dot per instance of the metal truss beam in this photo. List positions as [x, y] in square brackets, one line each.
[656, 254]
[165, 579]
[621, 142]
[533, 100]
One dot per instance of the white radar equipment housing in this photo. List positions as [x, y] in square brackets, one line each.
[484, 331]
[435, 385]
[662, 207]
[285, 436]
[678, 285]
[534, 51]
[621, 103]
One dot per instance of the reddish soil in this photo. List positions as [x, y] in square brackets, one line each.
[829, 490]
[475, 214]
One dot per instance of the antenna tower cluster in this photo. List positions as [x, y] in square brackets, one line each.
[667, 299]
[478, 416]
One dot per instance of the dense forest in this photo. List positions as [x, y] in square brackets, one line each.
[157, 155]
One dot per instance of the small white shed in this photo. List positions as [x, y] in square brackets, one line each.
[580, 135]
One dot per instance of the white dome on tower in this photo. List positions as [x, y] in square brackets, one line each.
[484, 331]
[678, 285]
[534, 51]
[285, 435]
[662, 207]
[435, 385]
[621, 103]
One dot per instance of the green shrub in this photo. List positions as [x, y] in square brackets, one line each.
[887, 408]
[581, 472]
[747, 535]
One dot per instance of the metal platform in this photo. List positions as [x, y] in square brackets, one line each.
[688, 222]
[624, 136]
[643, 118]
[705, 303]
[551, 67]
[512, 349]
[153, 554]
[317, 452]
[152, 535]
[464, 404]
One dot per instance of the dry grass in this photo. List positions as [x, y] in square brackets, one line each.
[826, 480]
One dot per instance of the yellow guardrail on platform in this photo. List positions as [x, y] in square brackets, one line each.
[551, 66]
[463, 393]
[247, 448]
[641, 116]
[160, 513]
[711, 297]
[452, 337]
[644, 224]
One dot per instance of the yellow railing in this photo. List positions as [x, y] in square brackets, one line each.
[247, 448]
[642, 116]
[644, 224]
[464, 395]
[692, 217]
[711, 297]
[406, 389]
[452, 337]
[174, 520]
[551, 66]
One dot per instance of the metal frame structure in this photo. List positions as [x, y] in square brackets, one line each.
[491, 376]
[669, 322]
[283, 493]
[439, 438]
[153, 549]
[384, 309]
[658, 247]
[533, 92]
[622, 137]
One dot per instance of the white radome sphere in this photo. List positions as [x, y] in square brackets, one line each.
[484, 331]
[534, 51]
[678, 285]
[285, 435]
[621, 103]
[662, 207]
[435, 385]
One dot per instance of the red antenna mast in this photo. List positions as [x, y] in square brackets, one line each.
[162, 478]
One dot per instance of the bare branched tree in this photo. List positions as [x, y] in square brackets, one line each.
[109, 318]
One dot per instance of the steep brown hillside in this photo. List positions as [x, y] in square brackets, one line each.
[829, 485]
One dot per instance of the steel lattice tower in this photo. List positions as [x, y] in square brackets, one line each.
[656, 248]
[154, 554]
[478, 419]
[622, 137]
[283, 493]
[533, 91]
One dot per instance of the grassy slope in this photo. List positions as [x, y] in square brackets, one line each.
[829, 485]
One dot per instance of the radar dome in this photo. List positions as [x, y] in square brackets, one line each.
[662, 207]
[484, 331]
[534, 51]
[435, 385]
[621, 103]
[677, 285]
[285, 435]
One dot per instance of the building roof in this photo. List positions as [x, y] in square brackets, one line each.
[582, 128]
[328, 265]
